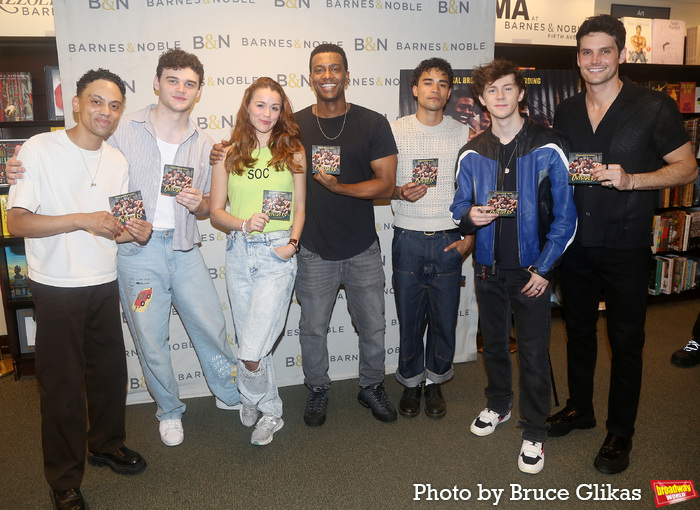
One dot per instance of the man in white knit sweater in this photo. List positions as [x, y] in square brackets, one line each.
[427, 250]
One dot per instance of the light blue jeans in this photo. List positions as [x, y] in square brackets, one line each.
[317, 289]
[259, 284]
[180, 278]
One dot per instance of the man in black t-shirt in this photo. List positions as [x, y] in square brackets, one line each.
[636, 130]
[339, 244]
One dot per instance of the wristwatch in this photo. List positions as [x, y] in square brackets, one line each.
[295, 243]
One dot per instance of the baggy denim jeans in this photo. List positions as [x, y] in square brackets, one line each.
[426, 289]
[180, 278]
[496, 296]
[317, 288]
[259, 284]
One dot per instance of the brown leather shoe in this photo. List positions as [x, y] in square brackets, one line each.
[614, 455]
[435, 406]
[70, 499]
[567, 420]
[409, 405]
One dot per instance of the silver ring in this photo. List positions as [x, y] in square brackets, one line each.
[611, 185]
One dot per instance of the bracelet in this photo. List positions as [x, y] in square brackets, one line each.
[295, 243]
[243, 230]
[634, 182]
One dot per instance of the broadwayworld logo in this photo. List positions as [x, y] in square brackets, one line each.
[667, 492]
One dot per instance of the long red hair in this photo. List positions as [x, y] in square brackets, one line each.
[284, 140]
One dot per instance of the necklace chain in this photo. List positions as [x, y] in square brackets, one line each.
[507, 169]
[87, 169]
[345, 116]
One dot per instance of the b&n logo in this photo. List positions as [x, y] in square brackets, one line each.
[667, 492]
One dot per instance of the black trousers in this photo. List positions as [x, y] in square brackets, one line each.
[622, 277]
[497, 295]
[81, 370]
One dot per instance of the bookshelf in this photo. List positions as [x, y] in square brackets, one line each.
[30, 54]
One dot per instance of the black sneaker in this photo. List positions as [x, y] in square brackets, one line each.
[375, 398]
[688, 356]
[316, 403]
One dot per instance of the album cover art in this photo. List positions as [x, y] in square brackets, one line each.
[505, 203]
[127, 206]
[581, 165]
[277, 204]
[425, 171]
[326, 158]
[175, 178]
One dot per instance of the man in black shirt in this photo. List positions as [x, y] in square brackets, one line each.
[636, 130]
[339, 244]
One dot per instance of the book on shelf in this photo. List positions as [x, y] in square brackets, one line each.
[638, 43]
[692, 45]
[16, 103]
[693, 225]
[695, 273]
[655, 276]
[686, 97]
[676, 230]
[7, 150]
[678, 274]
[666, 275]
[17, 271]
[676, 220]
[667, 41]
[674, 91]
[3, 213]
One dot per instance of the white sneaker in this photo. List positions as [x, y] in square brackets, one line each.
[220, 404]
[249, 415]
[531, 459]
[486, 422]
[265, 428]
[171, 432]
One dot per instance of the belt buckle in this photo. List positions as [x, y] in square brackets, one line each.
[431, 233]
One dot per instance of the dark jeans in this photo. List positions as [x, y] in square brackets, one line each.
[79, 354]
[426, 289]
[498, 296]
[622, 277]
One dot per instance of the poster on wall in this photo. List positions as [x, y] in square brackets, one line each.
[550, 22]
[546, 88]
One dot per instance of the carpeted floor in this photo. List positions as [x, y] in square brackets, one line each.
[354, 461]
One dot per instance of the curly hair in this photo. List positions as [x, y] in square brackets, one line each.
[99, 74]
[498, 68]
[284, 140]
[175, 58]
[429, 64]
[605, 24]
